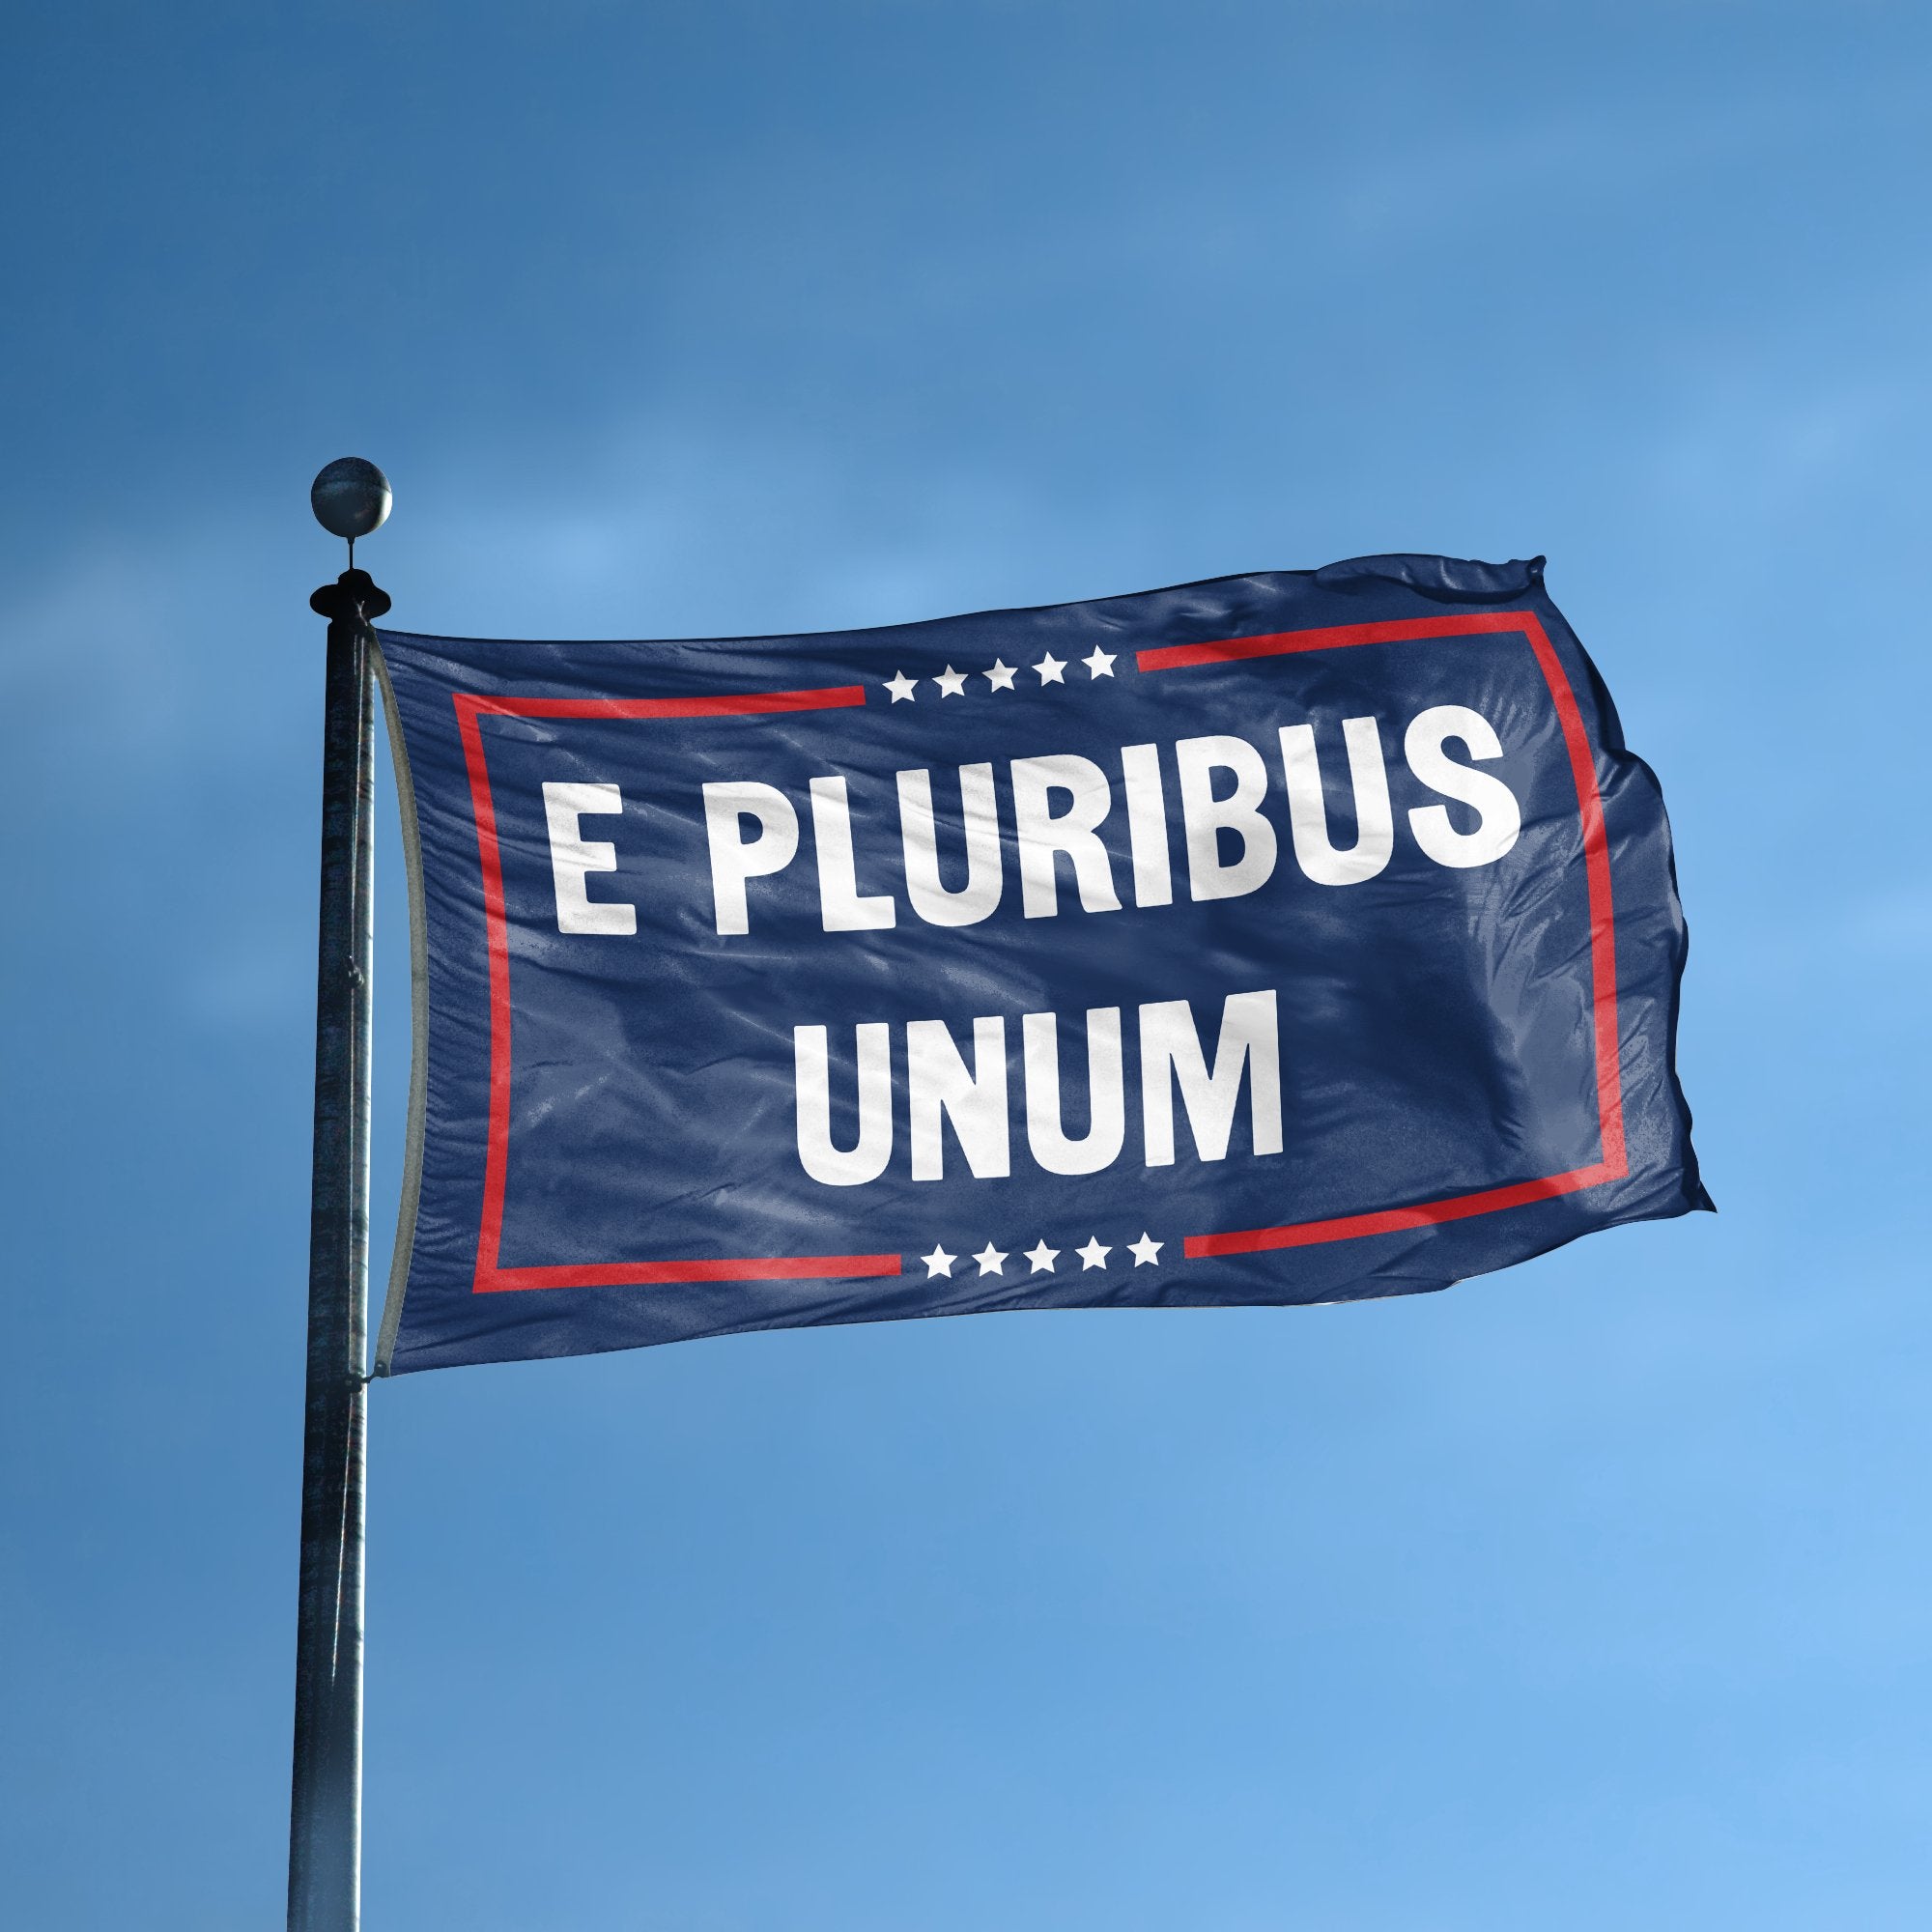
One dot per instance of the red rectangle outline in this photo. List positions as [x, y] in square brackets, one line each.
[1616, 1162]
[491, 1277]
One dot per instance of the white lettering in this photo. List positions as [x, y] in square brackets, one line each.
[840, 906]
[1499, 818]
[1147, 824]
[866, 1159]
[734, 859]
[1171, 1051]
[571, 858]
[1203, 816]
[939, 1087]
[981, 821]
[1041, 835]
[1308, 807]
[1106, 1101]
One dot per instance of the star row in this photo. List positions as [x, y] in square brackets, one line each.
[1146, 1253]
[952, 683]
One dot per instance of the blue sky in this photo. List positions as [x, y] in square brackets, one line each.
[1590, 1594]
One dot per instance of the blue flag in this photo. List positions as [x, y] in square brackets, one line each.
[1298, 937]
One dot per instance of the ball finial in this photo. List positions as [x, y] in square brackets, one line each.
[351, 497]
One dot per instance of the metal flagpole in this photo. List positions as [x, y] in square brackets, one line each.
[351, 497]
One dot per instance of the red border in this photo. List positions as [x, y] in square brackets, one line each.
[1615, 1163]
[490, 1277]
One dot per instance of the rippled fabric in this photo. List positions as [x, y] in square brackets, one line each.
[1345, 877]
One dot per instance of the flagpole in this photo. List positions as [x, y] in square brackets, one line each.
[351, 498]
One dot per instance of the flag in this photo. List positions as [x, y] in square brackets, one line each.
[1298, 937]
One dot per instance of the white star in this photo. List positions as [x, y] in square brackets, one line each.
[901, 687]
[1100, 664]
[1092, 1255]
[991, 1260]
[1042, 1258]
[1049, 668]
[938, 1262]
[1145, 1251]
[1000, 677]
[952, 683]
